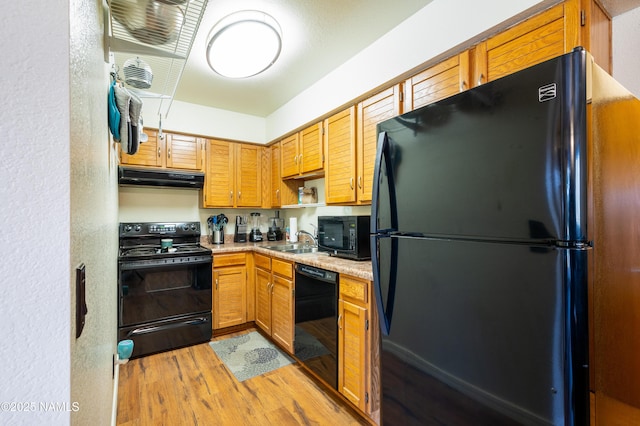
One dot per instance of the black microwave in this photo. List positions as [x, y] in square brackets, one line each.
[345, 236]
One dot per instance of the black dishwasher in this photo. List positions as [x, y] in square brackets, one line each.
[316, 331]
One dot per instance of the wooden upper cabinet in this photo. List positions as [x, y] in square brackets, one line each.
[282, 192]
[596, 34]
[289, 156]
[303, 153]
[248, 175]
[233, 175]
[340, 167]
[150, 153]
[551, 33]
[219, 176]
[371, 111]
[530, 42]
[184, 152]
[173, 150]
[311, 154]
[442, 80]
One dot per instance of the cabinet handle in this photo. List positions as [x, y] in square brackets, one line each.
[169, 153]
[351, 182]
[158, 151]
[480, 79]
[300, 158]
[360, 182]
[340, 321]
[231, 195]
[278, 194]
[239, 195]
[295, 160]
[216, 283]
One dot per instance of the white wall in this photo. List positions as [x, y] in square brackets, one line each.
[34, 207]
[93, 216]
[205, 121]
[435, 29]
[626, 49]
[58, 209]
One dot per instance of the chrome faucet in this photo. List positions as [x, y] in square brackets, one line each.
[313, 237]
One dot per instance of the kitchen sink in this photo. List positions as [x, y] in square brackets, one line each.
[294, 248]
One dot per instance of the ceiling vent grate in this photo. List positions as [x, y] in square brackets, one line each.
[161, 33]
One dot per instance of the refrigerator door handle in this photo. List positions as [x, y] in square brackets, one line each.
[385, 313]
[383, 152]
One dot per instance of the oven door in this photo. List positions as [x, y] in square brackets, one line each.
[158, 289]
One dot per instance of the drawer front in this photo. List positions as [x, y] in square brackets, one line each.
[354, 289]
[229, 259]
[262, 261]
[282, 268]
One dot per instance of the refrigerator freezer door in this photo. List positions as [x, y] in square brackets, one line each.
[503, 161]
[480, 332]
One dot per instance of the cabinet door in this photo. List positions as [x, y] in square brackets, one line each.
[282, 320]
[248, 175]
[150, 153]
[184, 152]
[311, 152]
[229, 296]
[289, 153]
[530, 42]
[384, 105]
[596, 33]
[352, 344]
[276, 176]
[263, 299]
[340, 167]
[265, 162]
[447, 78]
[219, 177]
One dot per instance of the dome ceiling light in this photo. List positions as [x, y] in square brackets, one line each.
[244, 44]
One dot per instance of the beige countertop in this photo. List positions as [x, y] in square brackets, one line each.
[360, 269]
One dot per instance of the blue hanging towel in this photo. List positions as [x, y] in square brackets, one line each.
[114, 113]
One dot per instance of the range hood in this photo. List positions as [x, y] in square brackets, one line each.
[158, 177]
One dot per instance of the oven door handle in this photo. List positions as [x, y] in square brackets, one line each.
[145, 264]
[154, 328]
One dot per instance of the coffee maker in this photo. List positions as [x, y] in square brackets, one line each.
[255, 235]
[275, 228]
[240, 235]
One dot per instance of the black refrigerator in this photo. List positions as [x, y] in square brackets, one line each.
[481, 252]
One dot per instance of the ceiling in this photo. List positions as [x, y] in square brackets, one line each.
[318, 36]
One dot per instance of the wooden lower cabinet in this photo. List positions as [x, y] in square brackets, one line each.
[356, 345]
[274, 299]
[229, 290]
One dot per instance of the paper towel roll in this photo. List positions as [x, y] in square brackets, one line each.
[293, 229]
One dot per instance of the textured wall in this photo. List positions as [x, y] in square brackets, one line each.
[34, 211]
[626, 46]
[94, 211]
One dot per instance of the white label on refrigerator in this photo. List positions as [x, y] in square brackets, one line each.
[547, 92]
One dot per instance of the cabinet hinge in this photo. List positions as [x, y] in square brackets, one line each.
[293, 292]
[401, 96]
[366, 397]
[583, 18]
[366, 325]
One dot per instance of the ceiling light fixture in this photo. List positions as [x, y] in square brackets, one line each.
[244, 44]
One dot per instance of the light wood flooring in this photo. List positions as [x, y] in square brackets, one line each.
[191, 386]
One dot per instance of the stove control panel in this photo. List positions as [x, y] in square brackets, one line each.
[141, 229]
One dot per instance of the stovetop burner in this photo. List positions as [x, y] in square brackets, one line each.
[143, 240]
[140, 251]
